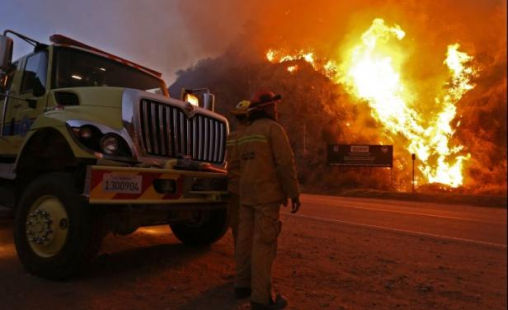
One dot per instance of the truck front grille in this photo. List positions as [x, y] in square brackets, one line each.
[166, 131]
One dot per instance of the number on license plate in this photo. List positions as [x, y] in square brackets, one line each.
[124, 184]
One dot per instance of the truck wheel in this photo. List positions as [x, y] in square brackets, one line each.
[202, 231]
[56, 232]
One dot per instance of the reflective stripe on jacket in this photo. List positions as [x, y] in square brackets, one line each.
[268, 172]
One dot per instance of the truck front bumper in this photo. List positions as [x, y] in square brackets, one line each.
[154, 186]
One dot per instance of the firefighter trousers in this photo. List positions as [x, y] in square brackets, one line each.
[233, 213]
[256, 249]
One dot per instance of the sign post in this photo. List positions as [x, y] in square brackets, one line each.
[413, 157]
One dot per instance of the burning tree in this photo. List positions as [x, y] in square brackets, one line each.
[368, 92]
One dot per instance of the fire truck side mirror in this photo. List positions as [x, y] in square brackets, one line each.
[5, 52]
[209, 101]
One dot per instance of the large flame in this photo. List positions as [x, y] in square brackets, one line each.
[278, 56]
[372, 69]
[327, 67]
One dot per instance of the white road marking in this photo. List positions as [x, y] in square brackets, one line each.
[338, 204]
[416, 233]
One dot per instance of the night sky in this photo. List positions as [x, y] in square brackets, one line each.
[153, 33]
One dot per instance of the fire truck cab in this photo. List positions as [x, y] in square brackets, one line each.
[91, 143]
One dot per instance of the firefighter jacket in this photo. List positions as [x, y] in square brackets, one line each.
[268, 172]
[233, 161]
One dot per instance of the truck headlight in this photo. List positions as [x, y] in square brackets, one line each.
[93, 139]
[85, 133]
[110, 144]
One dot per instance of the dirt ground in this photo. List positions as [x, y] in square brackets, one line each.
[320, 265]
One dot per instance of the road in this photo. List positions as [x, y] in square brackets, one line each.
[336, 253]
[453, 222]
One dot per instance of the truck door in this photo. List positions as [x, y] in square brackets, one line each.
[20, 113]
[8, 86]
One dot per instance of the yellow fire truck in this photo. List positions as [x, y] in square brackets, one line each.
[92, 143]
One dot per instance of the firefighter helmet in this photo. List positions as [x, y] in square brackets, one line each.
[241, 108]
[262, 98]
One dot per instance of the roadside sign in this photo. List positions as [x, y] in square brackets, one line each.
[360, 155]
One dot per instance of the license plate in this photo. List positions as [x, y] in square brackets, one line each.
[124, 184]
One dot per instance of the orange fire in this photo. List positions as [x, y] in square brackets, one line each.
[371, 70]
[292, 68]
[327, 67]
[279, 56]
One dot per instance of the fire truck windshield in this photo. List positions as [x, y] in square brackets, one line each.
[76, 68]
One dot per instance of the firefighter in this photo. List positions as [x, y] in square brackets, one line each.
[240, 114]
[268, 179]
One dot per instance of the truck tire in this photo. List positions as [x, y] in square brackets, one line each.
[56, 232]
[210, 229]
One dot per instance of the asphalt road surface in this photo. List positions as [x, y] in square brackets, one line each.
[336, 253]
[478, 225]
